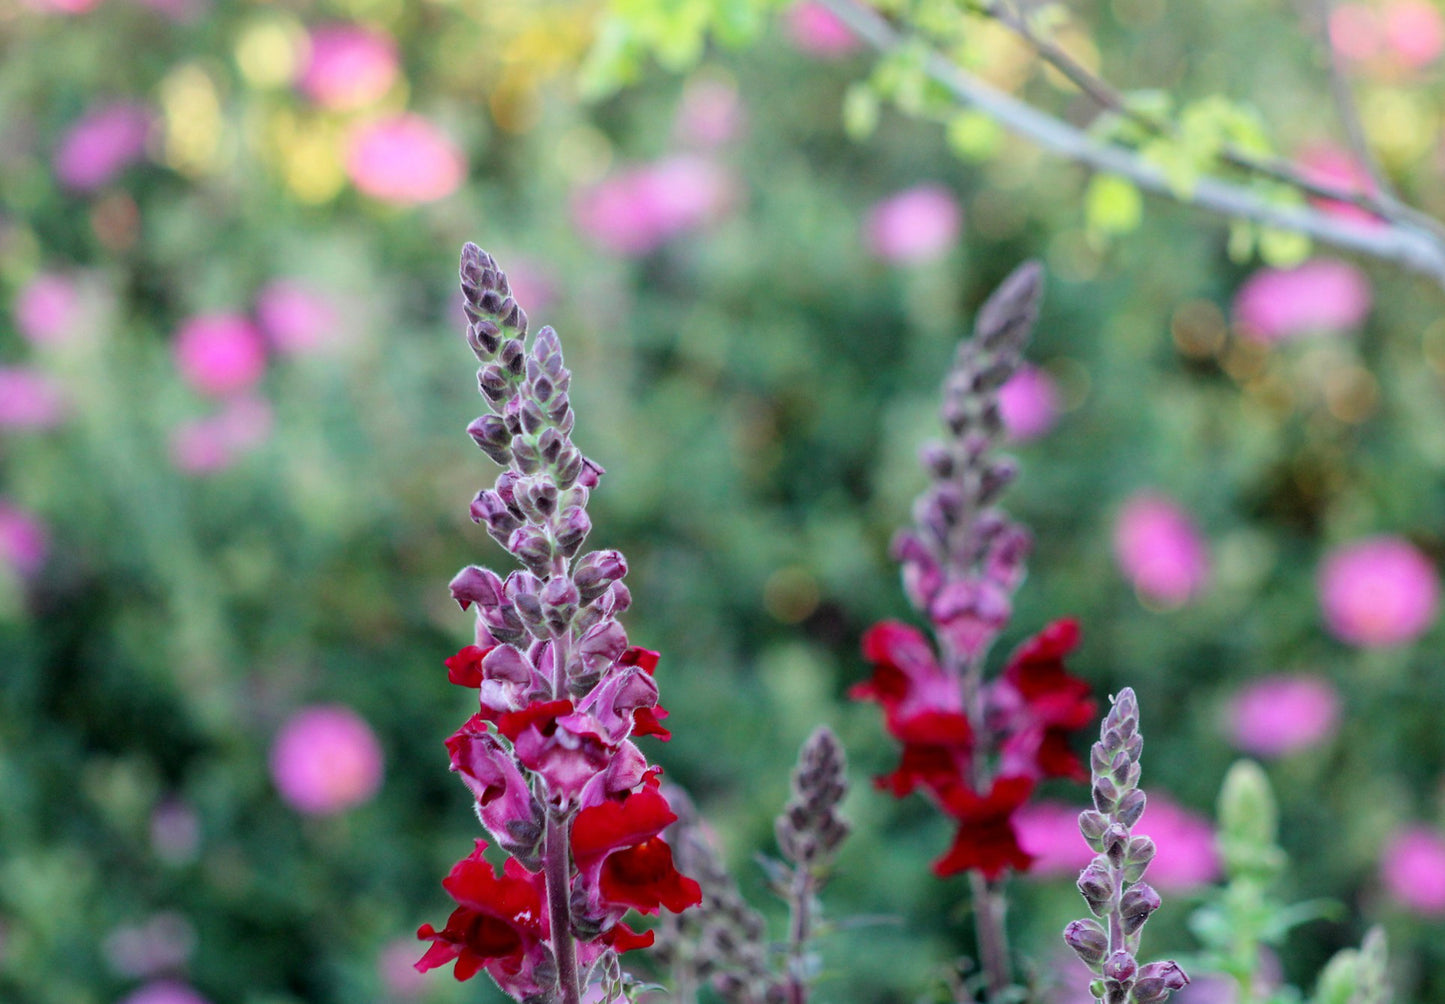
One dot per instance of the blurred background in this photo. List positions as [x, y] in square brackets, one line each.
[234, 474]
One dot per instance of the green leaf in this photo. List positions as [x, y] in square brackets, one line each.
[1112, 204]
[1283, 248]
[860, 111]
[973, 135]
[1241, 241]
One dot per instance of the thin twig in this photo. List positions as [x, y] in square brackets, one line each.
[1379, 201]
[1404, 241]
[1345, 107]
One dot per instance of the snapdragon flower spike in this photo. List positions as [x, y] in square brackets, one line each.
[548, 754]
[976, 748]
[1112, 883]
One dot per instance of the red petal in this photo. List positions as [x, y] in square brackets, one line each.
[645, 723]
[539, 713]
[624, 939]
[465, 668]
[646, 658]
[610, 825]
[644, 878]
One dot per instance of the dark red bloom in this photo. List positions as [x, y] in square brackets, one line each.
[465, 668]
[644, 657]
[500, 922]
[645, 722]
[1051, 703]
[622, 860]
[986, 840]
[541, 714]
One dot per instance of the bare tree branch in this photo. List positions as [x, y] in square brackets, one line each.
[1404, 236]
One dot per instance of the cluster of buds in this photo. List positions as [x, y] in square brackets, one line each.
[1112, 883]
[977, 748]
[560, 786]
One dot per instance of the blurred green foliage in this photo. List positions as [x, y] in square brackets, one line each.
[756, 388]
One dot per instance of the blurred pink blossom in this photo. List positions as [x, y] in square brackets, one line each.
[637, 210]
[296, 319]
[105, 141]
[326, 759]
[1159, 550]
[1412, 868]
[917, 225]
[165, 992]
[404, 160]
[24, 541]
[710, 114]
[163, 942]
[1414, 31]
[62, 6]
[29, 400]
[1327, 164]
[1050, 832]
[208, 445]
[394, 964]
[175, 832]
[1377, 592]
[220, 354]
[47, 309]
[1028, 403]
[1274, 305]
[1277, 715]
[1186, 855]
[348, 66]
[1355, 31]
[814, 29]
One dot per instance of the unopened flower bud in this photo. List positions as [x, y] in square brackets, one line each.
[596, 571]
[1131, 807]
[532, 548]
[1135, 906]
[1115, 992]
[1121, 967]
[1092, 825]
[511, 356]
[489, 508]
[1088, 940]
[493, 383]
[1137, 857]
[1096, 884]
[478, 585]
[536, 497]
[550, 445]
[1116, 844]
[1105, 793]
[559, 600]
[1157, 980]
[937, 458]
[524, 455]
[995, 479]
[572, 530]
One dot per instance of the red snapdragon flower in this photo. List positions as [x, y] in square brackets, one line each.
[621, 859]
[986, 839]
[1047, 704]
[500, 924]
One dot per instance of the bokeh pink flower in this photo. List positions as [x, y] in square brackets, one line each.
[919, 224]
[348, 66]
[212, 444]
[1412, 869]
[164, 992]
[296, 319]
[47, 309]
[24, 540]
[816, 30]
[405, 160]
[1049, 830]
[394, 965]
[1159, 550]
[105, 141]
[1185, 840]
[1278, 715]
[1275, 305]
[637, 210]
[1327, 164]
[29, 399]
[1378, 592]
[220, 354]
[1028, 403]
[159, 944]
[710, 114]
[326, 760]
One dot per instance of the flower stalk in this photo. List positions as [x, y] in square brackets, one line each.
[549, 755]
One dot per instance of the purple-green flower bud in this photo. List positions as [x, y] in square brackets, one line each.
[512, 357]
[524, 455]
[490, 433]
[559, 601]
[1157, 980]
[484, 337]
[493, 383]
[1096, 884]
[1088, 940]
[567, 466]
[1105, 794]
[1137, 858]
[572, 530]
[1131, 807]
[550, 445]
[1092, 825]
[938, 459]
[532, 548]
[1135, 906]
[536, 497]
[489, 508]
[1115, 992]
[478, 585]
[1121, 967]
[596, 571]
[1116, 844]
